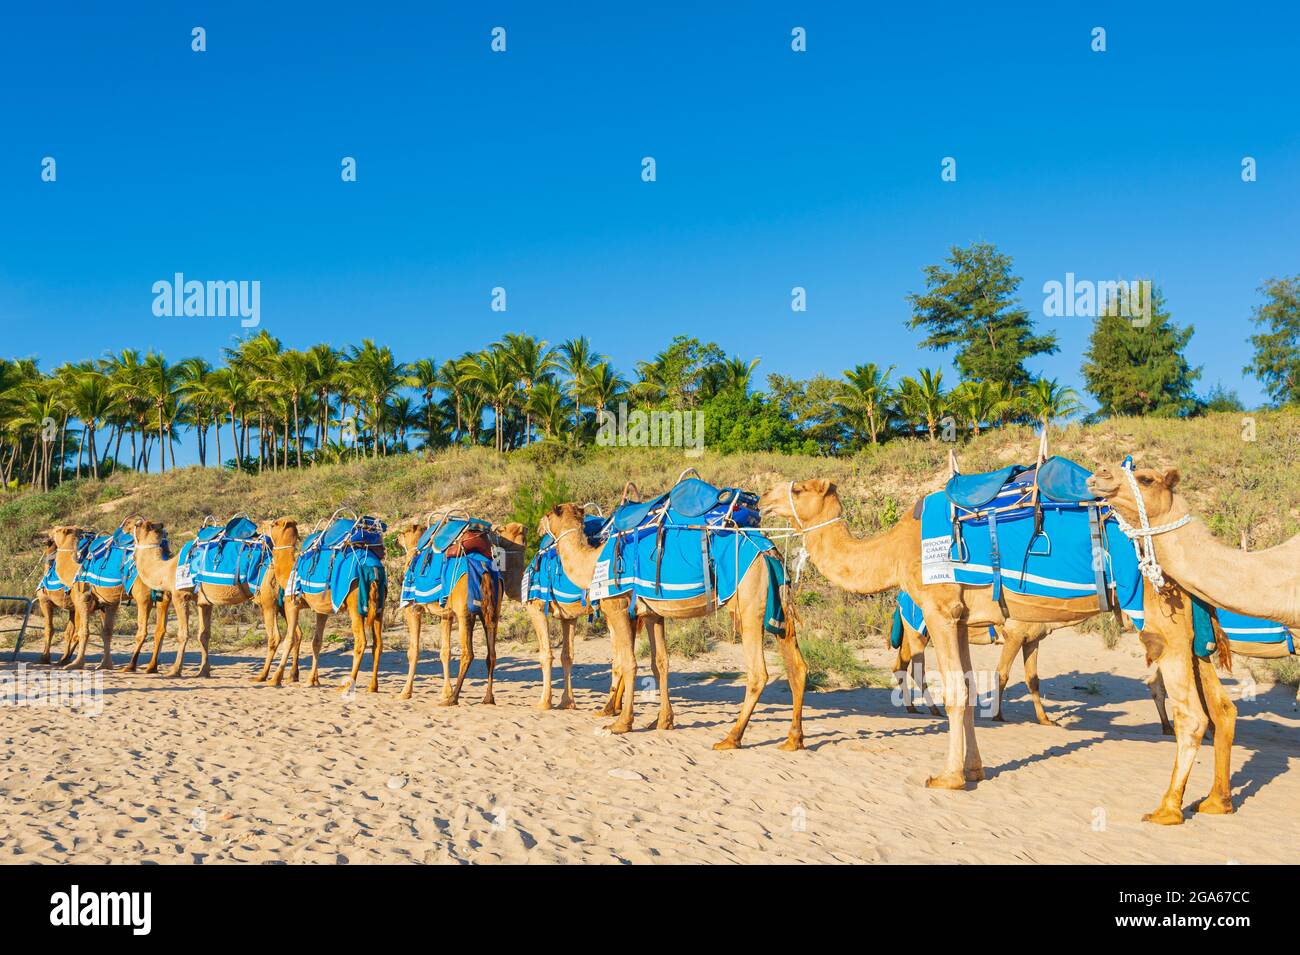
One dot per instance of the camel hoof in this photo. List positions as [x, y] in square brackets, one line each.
[664, 724]
[151, 668]
[129, 668]
[205, 672]
[1165, 817]
[447, 702]
[912, 709]
[489, 701]
[975, 775]
[567, 705]
[947, 781]
[107, 667]
[1167, 731]
[372, 689]
[75, 666]
[45, 660]
[726, 743]
[935, 711]
[792, 744]
[619, 729]
[404, 695]
[543, 705]
[606, 711]
[1215, 805]
[1047, 721]
[174, 671]
[998, 717]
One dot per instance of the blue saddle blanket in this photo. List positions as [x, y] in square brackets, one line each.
[50, 582]
[1252, 630]
[545, 578]
[107, 560]
[433, 574]
[1053, 560]
[233, 554]
[343, 556]
[692, 542]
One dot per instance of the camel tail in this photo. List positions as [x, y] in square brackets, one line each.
[488, 602]
[1224, 648]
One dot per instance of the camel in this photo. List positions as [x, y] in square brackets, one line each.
[747, 608]
[159, 571]
[51, 596]
[893, 559]
[457, 608]
[322, 604]
[1259, 583]
[87, 599]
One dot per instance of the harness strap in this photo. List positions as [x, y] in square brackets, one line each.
[1098, 558]
[995, 558]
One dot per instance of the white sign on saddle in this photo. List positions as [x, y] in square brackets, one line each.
[599, 589]
[936, 560]
[184, 577]
[499, 559]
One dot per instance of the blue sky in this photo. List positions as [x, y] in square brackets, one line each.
[522, 170]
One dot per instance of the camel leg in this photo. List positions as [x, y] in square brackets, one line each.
[659, 663]
[751, 637]
[1012, 643]
[182, 634]
[464, 623]
[622, 638]
[537, 618]
[1030, 653]
[317, 640]
[972, 767]
[490, 634]
[292, 635]
[47, 618]
[358, 640]
[110, 618]
[947, 642]
[376, 623]
[444, 653]
[271, 624]
[796, 671]
[205, 634]
[69, 638]
[1158, 696]
[918, 677]
[412, 615]
[902, 664]
[143, 605]
[1223, 714]
[566, 662]
[1190, 723]
[615, 681]
[83, 615]
[161, 628]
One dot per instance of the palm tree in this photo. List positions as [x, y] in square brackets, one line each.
[576, 359]
[604, 387]
[92, 397]
[454, 383]
[978, 402]
[423, 375]
[494, 372]
[325, 364]
[865, 394]
[160, 383]
[550, 407]
[531, 361]
[376, 376]
[195, 386]
[1047, 400]
[925, 399]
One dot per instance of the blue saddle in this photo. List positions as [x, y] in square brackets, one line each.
[1039, 546]
[433, 574]
[51, 582]
[1246, 634]
[545, 579]
[108, 560]
[347, 554]
[691, 542]
[230, 554]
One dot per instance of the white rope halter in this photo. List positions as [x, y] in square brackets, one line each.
[801, 558]
[1142, 536]
[546, 529]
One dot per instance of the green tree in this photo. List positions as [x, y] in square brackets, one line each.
[970, 304]
[1139, 368]
[864, 396]
[1277, 345]
[924, 399]
[1049, 401]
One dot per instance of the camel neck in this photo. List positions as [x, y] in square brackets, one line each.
[860, 565]
[158, 574]
[66, 567]
[578, 558]
[282, 563]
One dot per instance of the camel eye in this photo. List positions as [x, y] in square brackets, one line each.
[1144, 480]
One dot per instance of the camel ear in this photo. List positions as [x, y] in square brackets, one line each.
[822, 486]
[1172, 477]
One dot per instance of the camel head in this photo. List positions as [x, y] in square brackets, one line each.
[66, 536]
[561, 518]
[1156, 487]
[283, 532]
[409, 533]
[45, 542]
[803, 503]
[148, 533]
[514, 532]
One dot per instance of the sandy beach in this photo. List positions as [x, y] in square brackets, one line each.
[224, 770]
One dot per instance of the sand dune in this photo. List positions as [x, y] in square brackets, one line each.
[223, 770]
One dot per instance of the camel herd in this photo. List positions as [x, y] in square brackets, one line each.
[1182, 560]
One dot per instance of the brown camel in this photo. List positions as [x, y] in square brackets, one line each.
[322, 604]
[457, 608]
[1261, 583]
[88, 599]
[893, 559]
[160, 573]
[48, 601]
[747, 607]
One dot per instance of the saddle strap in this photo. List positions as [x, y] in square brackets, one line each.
[1098, 559]
[995, 558]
